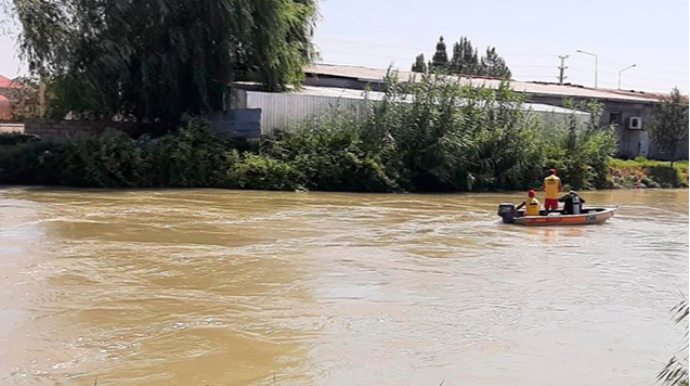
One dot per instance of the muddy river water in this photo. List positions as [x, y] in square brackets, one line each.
[213, 287]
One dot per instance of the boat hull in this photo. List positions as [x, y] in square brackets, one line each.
[589, 216]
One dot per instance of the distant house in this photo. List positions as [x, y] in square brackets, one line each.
[5, 108]
[629, 111]
[7, 88]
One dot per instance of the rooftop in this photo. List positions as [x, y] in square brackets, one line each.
[376, 75]
[6, 82]
[341, 93]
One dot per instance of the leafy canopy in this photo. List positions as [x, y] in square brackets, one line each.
[465, 61]
[159, 59]
[670, 126]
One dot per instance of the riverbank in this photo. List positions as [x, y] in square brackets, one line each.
[330, 160]
[445, 138]
[642, 173]
[435, 135]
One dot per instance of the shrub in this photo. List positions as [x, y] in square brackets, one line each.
[331, 153]
[262, 173]
[666, 176]
[190, 157]
[581, 152]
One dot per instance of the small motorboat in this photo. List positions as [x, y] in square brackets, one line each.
[555, 217]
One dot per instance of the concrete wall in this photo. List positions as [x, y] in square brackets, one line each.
[50, 130]
[238, 123]
[11, 127]
[234, 124]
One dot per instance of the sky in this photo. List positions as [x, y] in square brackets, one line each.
[530, 35]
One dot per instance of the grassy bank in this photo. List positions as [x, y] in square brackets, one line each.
[644, 173]
[431, 136]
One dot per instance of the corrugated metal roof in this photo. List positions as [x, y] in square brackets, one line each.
[375, 75]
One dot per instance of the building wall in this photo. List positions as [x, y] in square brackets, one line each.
[282, 111]
[5, 109]
[632, 143]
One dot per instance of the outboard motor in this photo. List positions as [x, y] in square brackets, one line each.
[507, 212]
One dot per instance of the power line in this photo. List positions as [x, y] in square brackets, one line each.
[638, 68]
[417, 49]
[428, 50]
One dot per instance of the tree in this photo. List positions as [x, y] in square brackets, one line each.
[465, 59]
[152, 60]
[420, 64]
[494, 65]
[670, 125]
[440, 59]
[24, 99]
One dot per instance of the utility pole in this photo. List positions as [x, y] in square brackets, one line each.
[561, 77]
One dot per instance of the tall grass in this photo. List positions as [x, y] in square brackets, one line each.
[675, 373]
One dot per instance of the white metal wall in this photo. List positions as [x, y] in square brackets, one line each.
[283, 111]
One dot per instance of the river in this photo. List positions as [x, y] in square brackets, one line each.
[213, 287]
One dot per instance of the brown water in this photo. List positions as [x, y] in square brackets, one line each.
[210, 287]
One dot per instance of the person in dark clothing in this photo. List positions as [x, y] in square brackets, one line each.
[572, 203]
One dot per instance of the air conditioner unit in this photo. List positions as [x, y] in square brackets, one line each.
[635, 123]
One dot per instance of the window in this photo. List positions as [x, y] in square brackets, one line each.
[615, 119]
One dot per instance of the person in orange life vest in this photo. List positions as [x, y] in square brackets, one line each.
[532, 204]
[552, 187]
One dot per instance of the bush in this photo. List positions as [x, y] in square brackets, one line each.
[648, 173]
[332, 154]
[29, 163]
[262, 173]
[666, 176]
[582, 152]
[191, 157]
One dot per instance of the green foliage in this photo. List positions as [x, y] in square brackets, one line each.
[440, 59]
[113, 160]
[465, 61]
[667, 177]
[190, 158]
[332, 154]
[262, 173]
[642, 172]
[582, 150]
[24, 99]
[431, 135]
[107, 59]
[29, 163]
[670, 126]
[420, 64]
